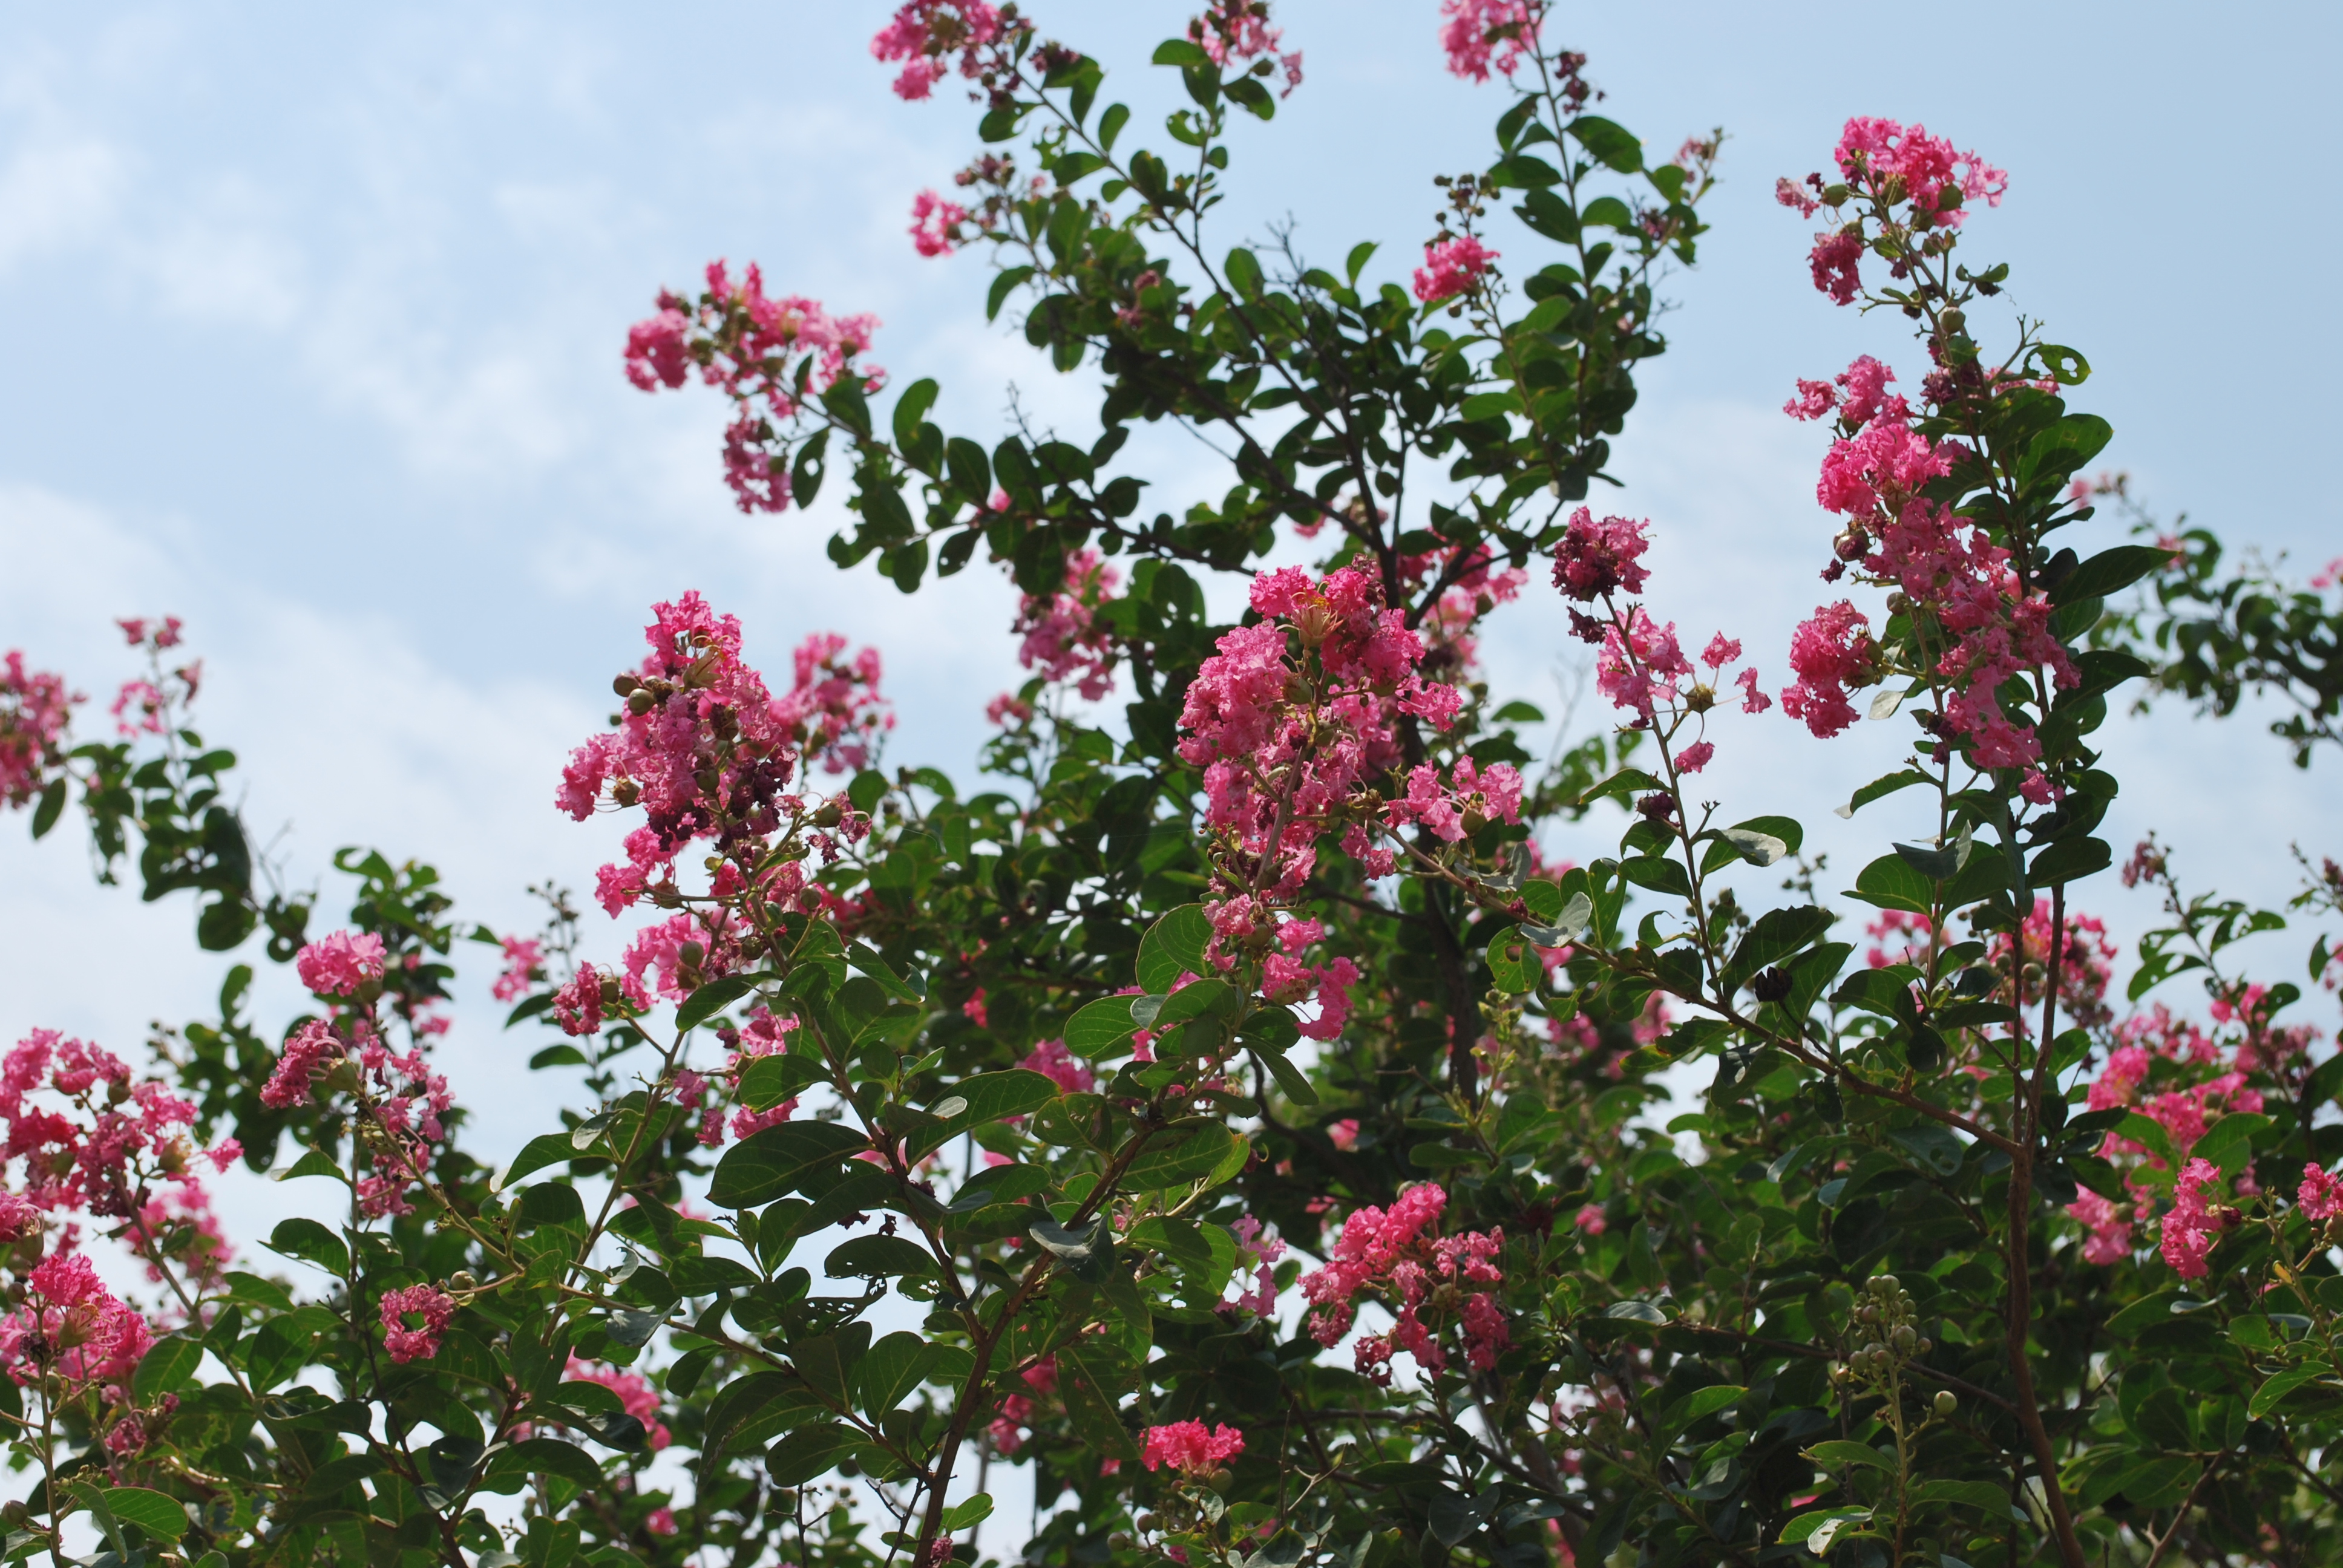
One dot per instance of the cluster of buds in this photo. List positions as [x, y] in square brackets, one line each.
[1884, 1319]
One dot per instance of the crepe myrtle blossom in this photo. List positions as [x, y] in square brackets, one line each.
[707, 753]
[2320, 1196]
[339, 964]
[421, 1342]
[2193, 1226]
[935, 223]
[1065, 637]
[1235, 32]
[71, 1325]
[1917, 182]
[924, 36]
[1480, 36]
[1190, 1450]
[757, 349]
[1293, 720]
[36, 707]
[1452, 266]
[1399, 1253]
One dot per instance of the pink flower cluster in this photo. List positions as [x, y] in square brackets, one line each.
[341, 963]
[35, 709]
[634, 1391]
[1643, 668]
[2320, 1196]
[71, 1324]
[1900, 168]
[403, 1096]
[1399, 1251]
[2085, 963]
[1482, 36]
[524, 967]
[757, 349]
[924, 34]
[707, 752]
[420, 1343]
[1598, 558]
[99, 1150]
[1452, 266]
[1061, 1067]
[1478, 586]
[835, 710]
[1289, 745]
[1188, 1448]
[935, 223]
[1233, 32]
[1257, 1252]
[2190, 1229]
[1063, 634]
[1016, 1409]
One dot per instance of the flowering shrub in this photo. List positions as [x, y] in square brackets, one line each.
[1232, 1115]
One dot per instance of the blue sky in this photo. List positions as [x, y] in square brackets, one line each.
[310, 320]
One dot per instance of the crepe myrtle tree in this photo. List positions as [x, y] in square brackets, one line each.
[1232, 1112]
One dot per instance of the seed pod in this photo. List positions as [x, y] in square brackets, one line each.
[827, 815]
[1834, 196]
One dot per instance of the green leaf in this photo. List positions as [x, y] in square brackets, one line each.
[988, 1097]
[878, 1258]
[53, 804]
[710, 1000]
[552, 1456]
[1611, 143]
[311, 1243]
[545, 1149]
[158, 1514]
[770, 1080]
[1513, 962]
[1984, 1496]
[2108, 572]
[865, 960]
[895, 1366]
[1090, 1379]
[1775, 936]
[967, 1512]
[771, 1162]
[1839, 1454]
[1244, 273]
[1890, 883]
[811, 1451]
[2268, 1397]
[1007, 283]
[1179, 1154]
[1705, 1401]
[632, 1329]
[1175, 945]
[1100, 1029]
[1290, 1078]
[169, 1367]
[2069, 860]
[1181, 52]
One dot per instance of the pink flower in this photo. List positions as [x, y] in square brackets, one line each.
[935, 223]
[338, 965]
[1595, 558]
[1061, 1067]
[924, 33]
[1482, 36]
[1694, 758]
[1451, 267]
[2320, 1196]
[306, 1054]
[524, 961]
[1835, 259]
[1878, 150]
[661, 1520]
[1791, 195]
[1343, 1134]
[1830, 653]
[34, 709]
[2109, 1242]
[577, 1006]
[1063, 634]
[434, 1306]
[1188, 1448]
[635, 1392]
[1590, 1219]
[2190, 1229]
[1233, 32]
[655, 353]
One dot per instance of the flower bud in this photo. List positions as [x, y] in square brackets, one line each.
[1223, 1479]
[1119, 1542]
[693, 954]
[610, 991]
[1953, 322]
[827, 815]
[640, 701]
[1149, 1522]
[626, 792]
[1945, 1403]
[1906, 1341]
[463, 1279]
[625, 685]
